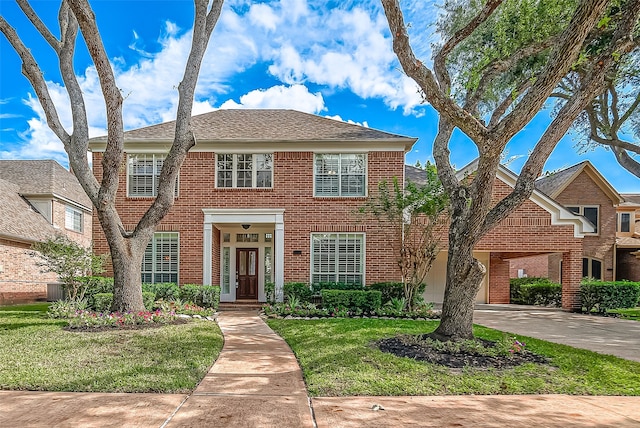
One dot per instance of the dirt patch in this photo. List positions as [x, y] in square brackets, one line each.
[418, 348]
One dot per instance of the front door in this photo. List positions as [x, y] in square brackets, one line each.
[247, 273]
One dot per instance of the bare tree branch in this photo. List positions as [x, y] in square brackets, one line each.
[40, 26]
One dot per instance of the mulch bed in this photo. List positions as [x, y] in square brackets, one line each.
[421, 350]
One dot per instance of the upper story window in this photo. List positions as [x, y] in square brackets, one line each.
[340, 174]
[143, 174]
[624, 222]
[244, 170]
[73, 219]
[590, 212]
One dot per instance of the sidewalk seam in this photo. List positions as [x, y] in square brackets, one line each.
[175, 411]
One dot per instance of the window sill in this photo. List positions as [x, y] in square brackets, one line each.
[341, 198]
[244, 189]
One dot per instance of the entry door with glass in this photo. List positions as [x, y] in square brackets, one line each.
[247, 273]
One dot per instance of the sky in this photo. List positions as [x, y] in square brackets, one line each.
[330, 58]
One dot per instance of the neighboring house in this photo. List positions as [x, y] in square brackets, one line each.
[583, 191]
[39, 199]
[628, 238]
[265, 196]
[540, 226]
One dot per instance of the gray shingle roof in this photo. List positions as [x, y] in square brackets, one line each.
[43, 177]
[551, 183]
[261, 125]
[630, 199]
[415, 175]
[18, 219]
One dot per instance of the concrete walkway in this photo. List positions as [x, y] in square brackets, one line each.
[604, 335]
[256, 382]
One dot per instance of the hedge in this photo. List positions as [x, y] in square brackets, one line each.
[104, 301]
[298, 290]
[207, 296]
[395, 290]
[163, 290]
[318, 287]
[604, 295]
[366, 301]
[535, 291]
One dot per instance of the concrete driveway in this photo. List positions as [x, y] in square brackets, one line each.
[604, 335]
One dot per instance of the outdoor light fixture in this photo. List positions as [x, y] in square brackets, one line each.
[246, 226]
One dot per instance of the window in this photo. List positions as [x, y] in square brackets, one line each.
[590, 212]
[247, 237]
[624, 222]
[73, 219]
[337, 257]
[340, 174]
[160, 262]
[226, 270]
[143, 174]
[591, 268]
[244, 170]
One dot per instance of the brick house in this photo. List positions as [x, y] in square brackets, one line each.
[40, 199]
[270, 196]
[628, 238]
[265, 196]
[584, 191]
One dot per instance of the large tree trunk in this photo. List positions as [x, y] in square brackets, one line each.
[127, 281]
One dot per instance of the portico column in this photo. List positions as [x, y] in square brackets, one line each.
[279, 259]
[207, 252]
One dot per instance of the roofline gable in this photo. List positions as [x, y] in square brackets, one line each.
[560, 216]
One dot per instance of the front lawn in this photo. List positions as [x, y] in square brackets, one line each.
[628, 314]
[37, 354]
[338, 359]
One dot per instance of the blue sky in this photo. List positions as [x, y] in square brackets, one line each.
[333, 59]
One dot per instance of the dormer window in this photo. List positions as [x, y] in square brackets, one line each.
[590, 212]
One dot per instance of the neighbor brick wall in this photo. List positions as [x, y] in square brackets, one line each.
[292, 190]
[628, 266]
[534, 266]
[83, 238]
[21, 279]
[499, 291]
[584, 191]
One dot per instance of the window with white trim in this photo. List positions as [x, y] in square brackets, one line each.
[337, 257]
[591, 268]
[340, 174]
[161, 259]
[143, 174]
[73, 219]
[591, 212]
[244, 170]
[624, 222]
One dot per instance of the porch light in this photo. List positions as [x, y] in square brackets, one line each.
[246, 226]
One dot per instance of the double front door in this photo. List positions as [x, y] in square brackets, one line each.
[247, 273]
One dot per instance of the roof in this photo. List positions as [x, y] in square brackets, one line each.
[44, 178]
[261, 125]
[414, 174]
[628, 242]
[630, 199]
[19, 221]
[559, 214]
[553, 184]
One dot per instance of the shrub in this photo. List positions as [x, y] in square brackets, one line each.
[299, 290]
[353, 300]
[95, 285]
[395, 290]
[65, 308]
[207, 296]
[601, 295]
[102, 302]
[163, 290]
[535, 291]
[148, 299]
[270, 292]
[317, 288]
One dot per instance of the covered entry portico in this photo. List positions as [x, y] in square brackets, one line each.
[250, 247]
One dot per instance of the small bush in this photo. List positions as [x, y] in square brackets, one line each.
[317, 288]
[299, 290]
[206, 296]
[601, 295]
[65, 308]
[102, 302]
[148, 299]
[270, 292]
[95, 285]
[353, 300]
[163, 290]
[395, 290]
[535, 291]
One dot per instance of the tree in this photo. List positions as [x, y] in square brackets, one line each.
[69, 261]
[411, 213]
[498, 64]
[127, 247]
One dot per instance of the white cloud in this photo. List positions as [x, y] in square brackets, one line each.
[339, 119]
[262, 15]
[296, 97]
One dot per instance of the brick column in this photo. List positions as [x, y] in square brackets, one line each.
[571, 277]
[498, 279]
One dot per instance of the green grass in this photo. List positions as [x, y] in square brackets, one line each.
[37, 354]
[337, 359]
[629, 314]
[27, 307]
